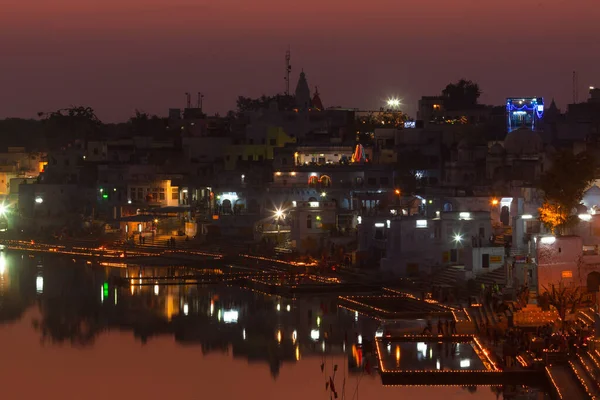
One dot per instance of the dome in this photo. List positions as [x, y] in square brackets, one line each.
[497, 149]
[523, 141]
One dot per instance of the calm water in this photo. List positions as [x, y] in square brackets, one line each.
[68, 334]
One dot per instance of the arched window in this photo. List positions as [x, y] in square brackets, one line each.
[309, 221]
[325, 181]
[312, 181]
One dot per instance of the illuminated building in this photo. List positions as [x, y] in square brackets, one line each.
[524, 112]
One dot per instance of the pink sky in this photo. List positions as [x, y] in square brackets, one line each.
[119, 367]
[118, 55]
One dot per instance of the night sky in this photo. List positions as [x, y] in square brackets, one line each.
[119, 55]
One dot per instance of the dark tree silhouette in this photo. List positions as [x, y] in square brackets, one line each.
[563, 186]
[249, 104]
[461, 95]
[69, 124]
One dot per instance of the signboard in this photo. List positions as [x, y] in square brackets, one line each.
[567, 274]
[496, 259]
[410, 124]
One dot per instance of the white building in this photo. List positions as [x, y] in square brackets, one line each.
[415, 244]
[311, 223]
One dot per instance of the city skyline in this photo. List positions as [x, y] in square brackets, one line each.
[117, 57]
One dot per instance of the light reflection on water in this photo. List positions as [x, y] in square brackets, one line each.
[213, 341]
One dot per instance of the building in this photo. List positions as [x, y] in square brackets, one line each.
[416, 244]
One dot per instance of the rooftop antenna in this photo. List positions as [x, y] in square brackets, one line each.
[288, 69]
[188, 100]
[575, 87]
[200, 97]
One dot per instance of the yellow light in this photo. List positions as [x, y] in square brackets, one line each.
[278, 173]
[318, 321]
[494, 202]
[397, 191]
[297, 353]
[397, 356]
[279, 336]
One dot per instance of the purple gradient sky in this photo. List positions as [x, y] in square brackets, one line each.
[119, 367]
[118, 55]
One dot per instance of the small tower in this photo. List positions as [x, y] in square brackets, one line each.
[316, 101]
[302, 93]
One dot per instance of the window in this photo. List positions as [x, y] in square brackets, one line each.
[174, 193]
[372, 182]
[161, 195]
[384, 181]
[485, 261]
[309, 221]
[132, 194]
[284, 161]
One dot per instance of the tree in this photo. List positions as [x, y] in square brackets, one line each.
[563, 299]
[68, 124]
[461, 95]
[264, 101]
[564, 185]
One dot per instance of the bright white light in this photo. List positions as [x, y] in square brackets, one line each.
[466, 363]
[319, 321]
[422, 347]
[388, 223]
[314, 334]
[585, 217]
[464, 215]
[458, 238]
[379, 225]
[323, 346]
[359, 220]
[231, 196]
[39, 284]
[323, 194]
[379, 333]
[244, 334]
[278, 213]
[313, 204]
[527, 216]
[2, 209]
[186, 309]
[128, 201]
[102, 294]
[389, 348]
[278, 307]
[421, 223]
[393, 103]
[115, 296]
[2, 263]
[156, 290]
[548, 239]
[438, 365]
[355, 315]
[230, 316]
[288, 308]
[294, 336]
[39, 200]
[359, 339]
[212, 308]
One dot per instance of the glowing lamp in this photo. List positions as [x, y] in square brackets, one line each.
[548, 239]
[583, 217]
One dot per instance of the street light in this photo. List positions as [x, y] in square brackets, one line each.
[458, 237]
[323, 194]
[494, 202]
[279, 213]
[393, 102]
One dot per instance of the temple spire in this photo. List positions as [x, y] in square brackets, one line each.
[302, 92]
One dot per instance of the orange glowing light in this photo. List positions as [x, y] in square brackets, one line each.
[495, 202]
[397, 191]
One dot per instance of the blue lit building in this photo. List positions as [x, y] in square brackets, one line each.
[524, 112]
